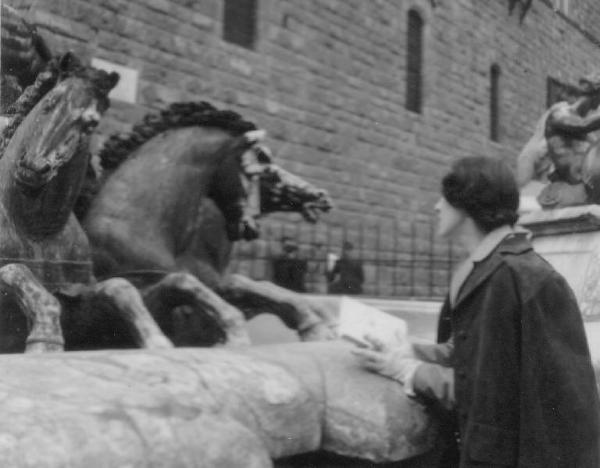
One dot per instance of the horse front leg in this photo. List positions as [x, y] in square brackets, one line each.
[40, 307]
[184, 289]
[311, 320]
[128, 302]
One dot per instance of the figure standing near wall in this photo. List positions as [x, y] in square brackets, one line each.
[289, 270]
[347, 275]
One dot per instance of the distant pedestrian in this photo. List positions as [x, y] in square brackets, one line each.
[289, 270]
[347, 275]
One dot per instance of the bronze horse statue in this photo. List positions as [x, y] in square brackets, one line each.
[175, 194]
[49, 298]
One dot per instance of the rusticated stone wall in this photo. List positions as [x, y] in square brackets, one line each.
[327, 79]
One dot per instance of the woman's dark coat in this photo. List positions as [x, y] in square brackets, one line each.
[521, 378]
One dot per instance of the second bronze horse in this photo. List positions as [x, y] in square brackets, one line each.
[175, 194]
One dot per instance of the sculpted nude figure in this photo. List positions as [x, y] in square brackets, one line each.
[562, 151]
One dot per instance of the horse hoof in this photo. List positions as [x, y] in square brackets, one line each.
[158, 342]
[238, 338]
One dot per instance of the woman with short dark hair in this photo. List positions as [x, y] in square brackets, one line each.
[485, 189]
[512, 365]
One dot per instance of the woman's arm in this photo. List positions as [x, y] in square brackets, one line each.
[436, 353]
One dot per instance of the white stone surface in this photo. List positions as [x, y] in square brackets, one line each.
[592, 330]
[190, 407]
[559, 214]
[575, 254]
[420, 318]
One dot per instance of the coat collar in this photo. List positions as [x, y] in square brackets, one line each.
[480, 252]
[514, 244]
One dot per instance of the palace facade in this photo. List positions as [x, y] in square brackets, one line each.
[371, 100]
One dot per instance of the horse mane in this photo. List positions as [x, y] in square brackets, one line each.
[44, 82]
[56, 70]
[118, 147]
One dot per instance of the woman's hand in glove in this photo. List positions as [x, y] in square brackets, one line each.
[396, 363]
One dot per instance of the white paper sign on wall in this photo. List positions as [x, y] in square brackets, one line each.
[126, 89]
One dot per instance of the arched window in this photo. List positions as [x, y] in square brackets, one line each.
[239, 22]
[414, 62]
[495, 103]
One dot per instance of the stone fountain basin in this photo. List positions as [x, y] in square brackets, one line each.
[212, 408]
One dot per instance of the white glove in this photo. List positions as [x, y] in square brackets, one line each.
[396, 363]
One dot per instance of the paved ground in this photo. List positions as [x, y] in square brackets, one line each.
[266, 329]
[421, 320]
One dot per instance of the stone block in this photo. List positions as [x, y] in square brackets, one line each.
[188, 407]
[62, 26]
[569, 238]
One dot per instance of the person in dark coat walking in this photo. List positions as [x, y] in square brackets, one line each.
[347, 275]
[289, 271]
[512, 364]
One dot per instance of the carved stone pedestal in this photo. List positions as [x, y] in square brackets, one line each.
[569, 238]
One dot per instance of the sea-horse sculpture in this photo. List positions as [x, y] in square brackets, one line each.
[50, 298]
[230, 182]
[175, 194]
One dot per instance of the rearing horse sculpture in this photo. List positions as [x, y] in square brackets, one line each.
[176, 193]
[45, 260]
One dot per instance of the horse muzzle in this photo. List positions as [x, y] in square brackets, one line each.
[29, 179]
[37, 173]
[324, 202]
[34, 175]
[312, 210]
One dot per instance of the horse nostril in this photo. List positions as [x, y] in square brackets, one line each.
[91, 117]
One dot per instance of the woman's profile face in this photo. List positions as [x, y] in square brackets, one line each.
[449, 218]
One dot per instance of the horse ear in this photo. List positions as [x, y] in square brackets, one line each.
[113, 79]
[263, 154]
[68, 62]
[254, 136]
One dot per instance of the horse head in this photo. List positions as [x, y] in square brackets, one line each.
[281, 190]
[264, 187]
[52, 139]
[61, 120]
